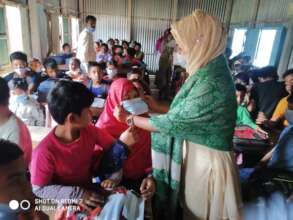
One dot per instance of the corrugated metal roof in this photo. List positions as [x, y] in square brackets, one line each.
[273, 10]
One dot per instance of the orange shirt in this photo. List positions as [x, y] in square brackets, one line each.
[280, 111]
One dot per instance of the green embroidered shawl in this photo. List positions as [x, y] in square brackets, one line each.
[203, 112]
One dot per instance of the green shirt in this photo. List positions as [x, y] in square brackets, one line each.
[243, 117]
[203, 112]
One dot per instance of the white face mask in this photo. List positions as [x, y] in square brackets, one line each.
[92, 30]
[179, 59]
[20, 71]
[111, 73]
[135, 106]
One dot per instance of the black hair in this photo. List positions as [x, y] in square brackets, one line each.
[68, 97]
[9, 152]
[268, 71]
[4, 92]
[131, 52]
[18, 55]
[113, 62]
[125, 42]
[50, 63]
[137, 44]
[105, 45]
[19, 83]
[90, 18]
[136, 70]
[287, 73]
[243, 76]
[240, 88]
[101, 65]
[65, 45]
[76, 60]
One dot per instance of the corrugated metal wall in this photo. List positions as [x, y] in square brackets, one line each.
[144, 20]
[242, 11]
[273, 10]
[268, 11]
[112, 20]
[149, 20]
[214, 7]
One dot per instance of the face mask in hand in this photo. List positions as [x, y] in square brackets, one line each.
[289, 116]
[135, 106]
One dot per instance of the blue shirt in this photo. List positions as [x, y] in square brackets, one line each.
[99, 92]
[282, 157]
[44, 89]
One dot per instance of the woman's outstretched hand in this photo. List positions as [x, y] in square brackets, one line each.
[147, 188]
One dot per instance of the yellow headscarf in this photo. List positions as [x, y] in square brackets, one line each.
[202, 38]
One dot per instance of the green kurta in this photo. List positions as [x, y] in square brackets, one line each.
[203, 112]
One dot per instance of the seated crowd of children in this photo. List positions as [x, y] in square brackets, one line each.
[78, 158]
[89, 152]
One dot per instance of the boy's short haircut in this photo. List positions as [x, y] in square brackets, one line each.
[4, 92]
[105, 45]
[240, 87]
[287, 73]
[34, 60]
[50, 63]
[18, 55]
[243, 76]
[76, 60]
[65, 45]
[90, 18]
[137, 44]
[131, 51]
[9, 152]
[136, 70]
[101, 65]
[19, 83]
[125, 42]
[68, 97]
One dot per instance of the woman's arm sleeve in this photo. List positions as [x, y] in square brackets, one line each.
[191, 114]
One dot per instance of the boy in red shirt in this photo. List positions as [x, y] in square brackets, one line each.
[68, 157]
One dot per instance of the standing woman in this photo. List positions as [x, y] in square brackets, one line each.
[201, 120]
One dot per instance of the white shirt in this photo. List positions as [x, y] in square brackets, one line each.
[15, 130]
[28, 110]
[85, 47]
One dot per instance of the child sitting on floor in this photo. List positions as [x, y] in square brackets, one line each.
[67, 159]
[23, 106]
[11, 127]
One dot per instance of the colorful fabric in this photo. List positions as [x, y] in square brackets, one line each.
[203, 112]
[243, 117]
[279, 113]
[138, 163]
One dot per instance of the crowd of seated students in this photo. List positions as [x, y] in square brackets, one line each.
[77, 150]
[265, 108]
